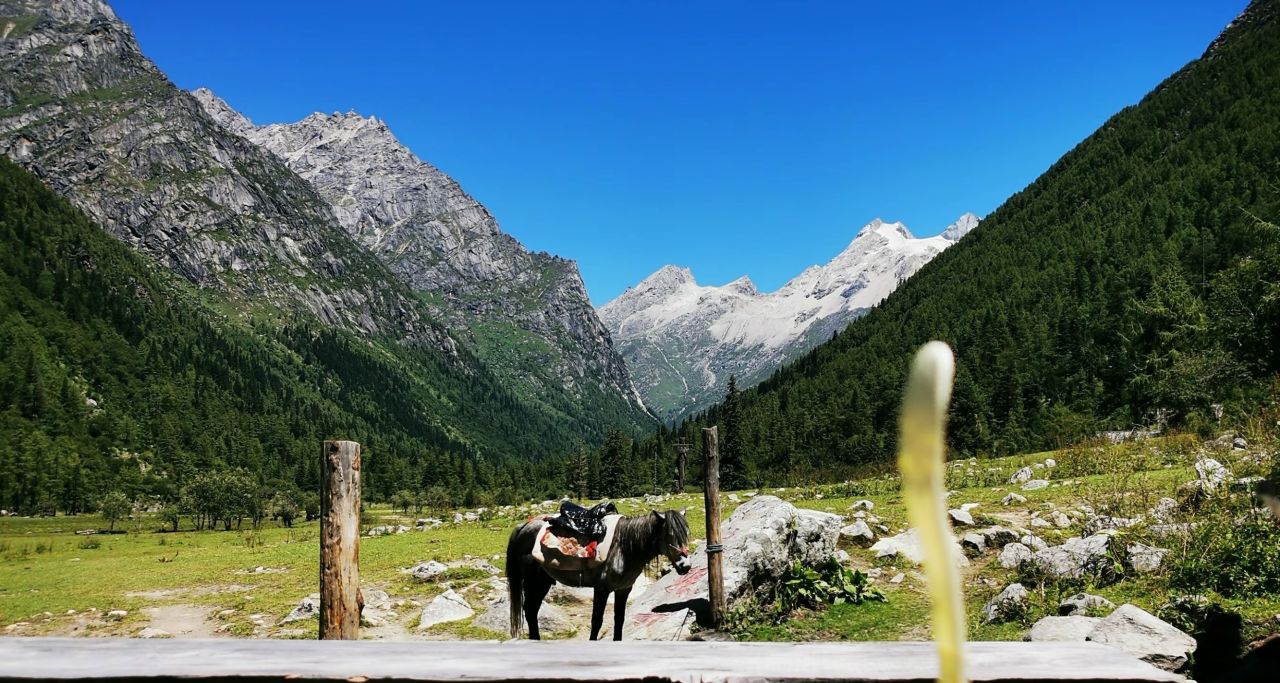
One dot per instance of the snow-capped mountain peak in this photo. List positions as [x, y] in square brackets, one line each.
[683, 340]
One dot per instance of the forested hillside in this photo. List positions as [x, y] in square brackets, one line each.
[1140, 272]
[113, 375]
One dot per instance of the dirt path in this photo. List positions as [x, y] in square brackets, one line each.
[181, 621]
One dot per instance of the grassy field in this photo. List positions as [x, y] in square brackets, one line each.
[241, 583]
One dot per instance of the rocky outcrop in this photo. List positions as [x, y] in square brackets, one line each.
[527, 313]
[1145, 636]
[682, 341]
[761, 539]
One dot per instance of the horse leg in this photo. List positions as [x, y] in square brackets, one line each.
[597, 610]
[620, 611]
[536, 586]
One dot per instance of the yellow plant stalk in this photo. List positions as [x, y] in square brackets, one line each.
[922, 460]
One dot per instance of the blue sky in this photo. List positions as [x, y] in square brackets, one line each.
[732, 137]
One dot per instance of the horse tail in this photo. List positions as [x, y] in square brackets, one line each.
[515, 581]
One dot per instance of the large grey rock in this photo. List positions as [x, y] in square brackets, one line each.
[428, 571]
[761, 539]
[907, 546]
[1022, 476]
[1212, 473]
[551, 619]
[973, 543]
[1145, 636]
[1081, 604]
[1074, 559]
[1049, 629]
[1013, 555]
[1035, 485]
[1010, 604]
[998, 536]
[1033, 542]
[858, 534]
[1144, 558]
[446, 607]
[960, 517]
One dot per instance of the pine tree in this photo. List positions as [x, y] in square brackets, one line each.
[733, 466]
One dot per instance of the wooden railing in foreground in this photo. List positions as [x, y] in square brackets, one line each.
[31, 660]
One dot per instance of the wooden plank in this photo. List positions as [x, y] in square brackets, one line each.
[31, 660]
[340, 598]
[711, 499]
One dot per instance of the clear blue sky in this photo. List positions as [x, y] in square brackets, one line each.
[731, 137]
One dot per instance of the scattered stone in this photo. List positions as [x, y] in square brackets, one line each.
[969, 507]
[1050, 463]
[1060, 519]
[898, 578]
[1239, 443]
[1081, 604]
[1212, 473]
[149, 632]
[1033, 542]
[386, 530]
[1144, 636]
[1041, 523]
[428, 571]
[863, 505]
[1035, 485]
[1105, 522]
[961, 518]
[457, 518]
[1074, 559]
[858, 534]
[1013, 555]
[843, 557]
[308, 608]
[497, 617]
[1164, 509]
[907, 546]
[973, 544]
[1010, 604]
[1052, 629]
[1144, 558]
[448, 606]
[1013, 498]
[1022, 476]
[117, 614]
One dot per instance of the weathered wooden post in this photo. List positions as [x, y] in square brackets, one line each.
[340, 598]
[715, 568]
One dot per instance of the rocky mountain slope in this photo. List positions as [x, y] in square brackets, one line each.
[86, 112]
[526, 314]
[682, 340]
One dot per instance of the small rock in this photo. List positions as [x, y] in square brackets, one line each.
[1013, 555]
[961, 518]
[1212, 472]
[1033, 542]
[149, 632]
[1053, 629]
[1081, 604]
[448, 606]
[863, 505]
[1010, 604]
[457, 518]
[1041, 523]
[1013, 498]
[117, 615]
[308, 608]
[1035, 485]
[1021, 476]
[1239, 443]
[1050, 463]
[1144, 558]
[427, 571]
[898, 578]
[973, 543]
[858, 534]
[843, 557]
[1060, 519]
[1144, 636]
[1164, 509]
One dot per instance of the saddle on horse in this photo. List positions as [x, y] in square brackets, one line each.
[576, 539]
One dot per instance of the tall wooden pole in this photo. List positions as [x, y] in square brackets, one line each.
[711, 497]
[340, 598]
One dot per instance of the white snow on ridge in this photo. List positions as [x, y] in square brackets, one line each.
[669, 314]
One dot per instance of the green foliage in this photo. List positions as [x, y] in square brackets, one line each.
[802, 587]
[1139, 274]
[1237, 558]
[114, 507]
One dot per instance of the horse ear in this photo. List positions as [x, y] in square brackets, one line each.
[684, 512]
[658, 516]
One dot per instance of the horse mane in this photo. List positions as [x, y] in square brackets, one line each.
[639, 536]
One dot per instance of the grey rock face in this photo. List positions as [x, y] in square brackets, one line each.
[1072, 628]
[1145, 636]
[1010, 604]
[427, 571]
[1075, 558]
[1082, 603]
[960, 517]
[1035, 485]
[761, 539]
[907, 546]
[441, 241]
[1144, 558]
[448, 606]
[858, 534]
[1013, 555]
[84, 110]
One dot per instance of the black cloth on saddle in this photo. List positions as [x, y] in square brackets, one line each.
[585, 521]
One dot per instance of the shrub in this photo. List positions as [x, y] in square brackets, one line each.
[1236, 557]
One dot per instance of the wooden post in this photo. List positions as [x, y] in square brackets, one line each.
[711, 497]
[340, 598]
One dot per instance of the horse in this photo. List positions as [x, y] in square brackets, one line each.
[637, 542]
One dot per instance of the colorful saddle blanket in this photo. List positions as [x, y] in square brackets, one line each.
[561, 549]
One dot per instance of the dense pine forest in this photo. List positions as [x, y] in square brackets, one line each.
[1137, 279]
[114, 376]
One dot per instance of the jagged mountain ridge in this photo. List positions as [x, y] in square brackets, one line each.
[85, 111]
[526, 313]
[683, 340]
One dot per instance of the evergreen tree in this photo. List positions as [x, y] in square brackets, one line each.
[733, 467]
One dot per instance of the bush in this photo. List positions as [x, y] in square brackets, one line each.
[114, 507]
[1236, 557]
[830, 583]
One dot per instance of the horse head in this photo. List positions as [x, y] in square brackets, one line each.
[673, 535]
